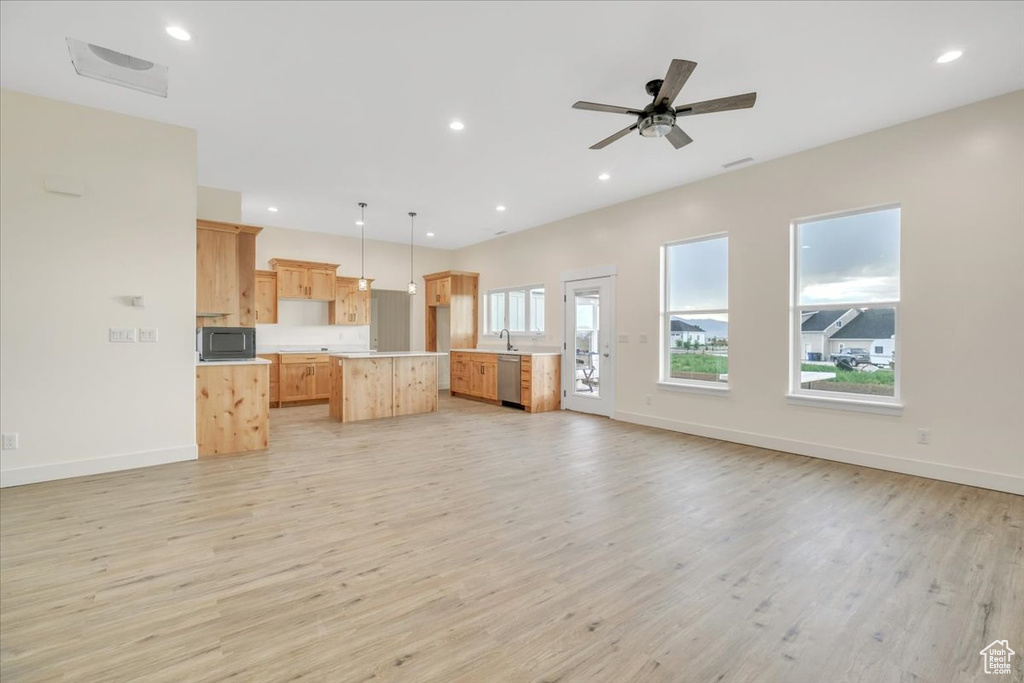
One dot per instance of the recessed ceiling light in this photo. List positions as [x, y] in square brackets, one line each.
[272, 209]
[456, 125]
[179, 33]
[499, 207]
[604, 176]
[430, 234]
[950, 56]
[359, 223]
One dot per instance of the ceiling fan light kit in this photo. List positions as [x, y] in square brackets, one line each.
[658, 119]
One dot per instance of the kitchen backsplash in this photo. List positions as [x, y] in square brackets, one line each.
[304, 323]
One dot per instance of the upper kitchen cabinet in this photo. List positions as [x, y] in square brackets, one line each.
[266, 296]
[305, 279]
[225, 274]
[458, 291]
[350, 306]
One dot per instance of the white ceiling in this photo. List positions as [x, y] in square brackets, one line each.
[313, 107]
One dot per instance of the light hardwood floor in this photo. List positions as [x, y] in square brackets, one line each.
[481, 544]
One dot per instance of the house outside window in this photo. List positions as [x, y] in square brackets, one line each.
[846, 298]
[517, 309]
[695, 312]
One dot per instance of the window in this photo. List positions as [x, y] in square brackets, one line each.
[695, 312]
[518, 309]
[846, 302]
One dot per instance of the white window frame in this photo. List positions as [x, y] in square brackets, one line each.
[887, 405]
[665, 379]
[529, 311]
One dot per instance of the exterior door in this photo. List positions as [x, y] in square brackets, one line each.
[588, 372]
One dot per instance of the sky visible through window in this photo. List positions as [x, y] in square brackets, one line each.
[850, 258]
[698, 274]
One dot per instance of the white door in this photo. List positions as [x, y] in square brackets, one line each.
[588, 367]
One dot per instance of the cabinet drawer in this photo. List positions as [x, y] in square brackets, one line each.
[303, 359]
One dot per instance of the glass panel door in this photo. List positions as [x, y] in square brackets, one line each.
[588, 363]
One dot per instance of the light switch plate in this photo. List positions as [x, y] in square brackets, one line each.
[623, 338]
[122, 334]
[643, 338]
[148, 334]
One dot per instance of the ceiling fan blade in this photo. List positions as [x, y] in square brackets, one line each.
[612, 138]
[745, 101]
[678, 137]
[609, 108]
[679, 71]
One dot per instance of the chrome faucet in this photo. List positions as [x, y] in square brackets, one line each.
[508, 342]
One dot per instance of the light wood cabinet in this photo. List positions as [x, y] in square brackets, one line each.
[375, 387]
[458, 290]
[225, 274]
[350, 306]
[304, 377]
[232, 408]
[305, 279]
[266, 297]
[275, 378]
[475, 374]
[439, 291]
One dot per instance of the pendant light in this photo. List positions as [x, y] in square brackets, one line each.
[363, 284]
[412, 223]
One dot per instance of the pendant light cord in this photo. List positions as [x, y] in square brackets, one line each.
[362, 240]
[412, 224]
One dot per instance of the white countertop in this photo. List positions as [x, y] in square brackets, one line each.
[384, 354]
[244, 361]
[503, 352]
[306, 349]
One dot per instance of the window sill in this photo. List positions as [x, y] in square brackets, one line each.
[708, 389]
[851, 404]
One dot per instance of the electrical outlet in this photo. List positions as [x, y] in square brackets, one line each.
[10, 441]
[924, 436]
[148, 334]
[643, 338]
[623, 338]
[648, 399]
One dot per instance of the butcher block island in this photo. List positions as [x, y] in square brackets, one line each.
[367, 386]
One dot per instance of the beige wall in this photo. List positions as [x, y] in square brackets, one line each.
[214, 204]
[959, 176]
[387, 263]
[79, 403]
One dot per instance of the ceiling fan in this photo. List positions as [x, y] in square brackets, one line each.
[658, 119]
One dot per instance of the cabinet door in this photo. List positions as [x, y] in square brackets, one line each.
[295, 381]
[345, 294]
[432, 293]
[321, 380]
[266, 299]
[291, 283]
[361, 307]
[321, 284]
[443, 296]
[216, 272]
[489, 381]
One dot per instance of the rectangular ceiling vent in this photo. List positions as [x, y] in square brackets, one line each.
[110, 66]
[745, 160]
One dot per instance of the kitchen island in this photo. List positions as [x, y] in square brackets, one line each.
[232, 406]
[371, 385]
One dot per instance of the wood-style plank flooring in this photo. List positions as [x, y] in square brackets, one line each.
[481, 544]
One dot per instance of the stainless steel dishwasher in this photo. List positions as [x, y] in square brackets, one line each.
[509, 382]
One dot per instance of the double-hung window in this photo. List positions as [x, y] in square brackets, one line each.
[846, 306]
[695, 312]
[517, 309]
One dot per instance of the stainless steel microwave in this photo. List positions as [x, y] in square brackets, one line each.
[226, 343]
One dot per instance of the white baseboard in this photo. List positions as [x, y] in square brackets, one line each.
[920, 468]
[82, 468]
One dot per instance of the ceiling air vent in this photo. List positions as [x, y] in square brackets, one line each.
[745, 160]
[501, 232]
[110, 66]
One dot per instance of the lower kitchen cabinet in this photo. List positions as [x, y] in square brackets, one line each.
[304, 378]
[475, 375]
[275, 378]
